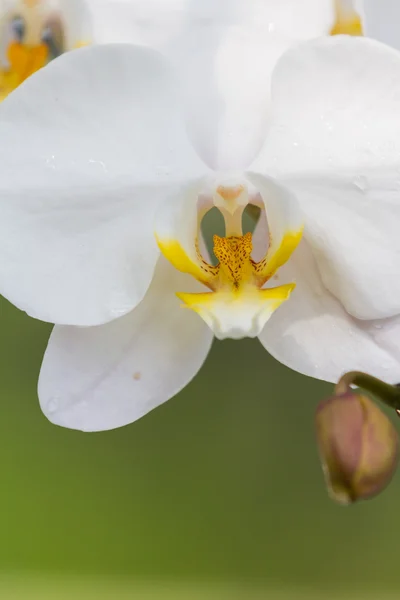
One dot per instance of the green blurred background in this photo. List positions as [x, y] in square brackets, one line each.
[216, 494]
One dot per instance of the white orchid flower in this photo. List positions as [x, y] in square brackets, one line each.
[78, 241]
[99, 175]
[33, 32]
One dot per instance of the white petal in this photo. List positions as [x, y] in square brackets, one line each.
[177, 225]
[298, 19]
[352, 225]
[228, 86]
[313, 334]
[104, 377]
[228, 62]
[89, 147]
[226, 50]
[284, 220]
[335, 140]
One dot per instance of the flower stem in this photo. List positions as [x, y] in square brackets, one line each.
[388, 394]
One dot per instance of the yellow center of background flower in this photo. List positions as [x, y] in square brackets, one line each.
[348, 22]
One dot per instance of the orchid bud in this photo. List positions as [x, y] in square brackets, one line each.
[358, 446]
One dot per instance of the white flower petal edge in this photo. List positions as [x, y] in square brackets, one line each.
[90, 146]
[314, 335]
[337, 146]
[100, 378]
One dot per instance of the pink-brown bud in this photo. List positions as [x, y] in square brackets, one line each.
[358, 446]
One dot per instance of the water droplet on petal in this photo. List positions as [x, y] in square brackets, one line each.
[52, 405]
[162, 171]
[361, 182]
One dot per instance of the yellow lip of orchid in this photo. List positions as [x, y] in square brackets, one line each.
[237, 304]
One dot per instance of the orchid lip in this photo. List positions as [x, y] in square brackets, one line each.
[236, 304]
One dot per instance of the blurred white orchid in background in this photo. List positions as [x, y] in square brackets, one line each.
[203, 39]
[166, 24]
[348, 17]
[97, 165]
[34, 32]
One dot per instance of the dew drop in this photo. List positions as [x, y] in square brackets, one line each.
[162, 171]
[51, 162]
[52, 405]
[361, 182]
